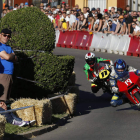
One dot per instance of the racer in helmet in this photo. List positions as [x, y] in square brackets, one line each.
[121, 70]
[91, 69]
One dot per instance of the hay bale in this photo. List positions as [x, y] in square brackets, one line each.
[72, 79]
[59, 105]
[2, 126]
[75, 90]
[41, 112]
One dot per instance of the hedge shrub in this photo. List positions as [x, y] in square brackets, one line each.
[31, 29]
[50, 70]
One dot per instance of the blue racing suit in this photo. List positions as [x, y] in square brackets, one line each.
[117, 97]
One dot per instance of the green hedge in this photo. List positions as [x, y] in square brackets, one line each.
[50, 70]
[31, 29]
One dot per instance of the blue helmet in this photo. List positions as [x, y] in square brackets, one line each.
[120, 68]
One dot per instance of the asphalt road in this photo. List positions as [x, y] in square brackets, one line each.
[95, 118]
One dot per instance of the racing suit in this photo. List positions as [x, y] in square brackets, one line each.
[117, 97]
[92, 73]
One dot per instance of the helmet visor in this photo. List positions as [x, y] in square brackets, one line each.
[91, 62]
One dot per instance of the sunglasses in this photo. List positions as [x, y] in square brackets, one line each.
[5, 35]
[133, 24]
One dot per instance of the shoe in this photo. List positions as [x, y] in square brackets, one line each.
[19, 123]
[31, 123]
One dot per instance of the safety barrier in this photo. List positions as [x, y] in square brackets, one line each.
[57, 33]
[75, 40]
[118, 44]
[134, 49]
[100, 42]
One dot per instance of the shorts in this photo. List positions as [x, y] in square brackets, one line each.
[5, 86]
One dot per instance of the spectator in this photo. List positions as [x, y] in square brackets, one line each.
[42, 7]
[128, 8]
[91, 21]
[10, 8]
[72, 20]
[54, 2]
[60, 18]
[53, 18]
[105, 11]
[26, 4]
[63, 6]
[46, 13]
[119, 11]
[77, 21]
[16, 7]
[50, 16]
[99, 11]
[4, 12]
[88, 9]
[7, 64]
[136, 29]
[22, 5]
[93, 10]
[85, 12]
[32, 5]
[77, 7]
[105, 22]
[64, 22]
[121, 27]
[67, 7]
[115, 19]
[82, 21]
[98, 23]
[112, 11]
[6, 6]
[58, 8]
[57, 19]
[135, 14]
[13, 119]
[128, 20]
[112, 27]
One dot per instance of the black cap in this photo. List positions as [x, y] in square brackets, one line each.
[90, 15]
[6, 31]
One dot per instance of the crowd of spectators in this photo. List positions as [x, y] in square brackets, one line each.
[115, 21]
[63, 17]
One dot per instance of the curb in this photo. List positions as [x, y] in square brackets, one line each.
[42, 130]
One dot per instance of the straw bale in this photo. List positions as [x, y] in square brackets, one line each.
[59, 105]
[2, 126]
[75, 90]
[41, 112]
[72, 79]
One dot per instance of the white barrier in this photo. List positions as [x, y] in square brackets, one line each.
[105, 42]
[95, 42]
[57, 33]
[119, 44]
[123, 45]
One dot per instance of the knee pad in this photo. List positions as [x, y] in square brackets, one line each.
[115, 103]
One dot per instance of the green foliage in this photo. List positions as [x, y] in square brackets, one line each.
[31, 30]
[53, 72]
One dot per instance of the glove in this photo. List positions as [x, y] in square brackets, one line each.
[94, 79]
[115, 89]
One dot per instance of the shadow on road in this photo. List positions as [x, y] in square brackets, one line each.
[89, 101]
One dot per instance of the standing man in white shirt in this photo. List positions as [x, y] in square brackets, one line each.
[136, 29]
[85, 12]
